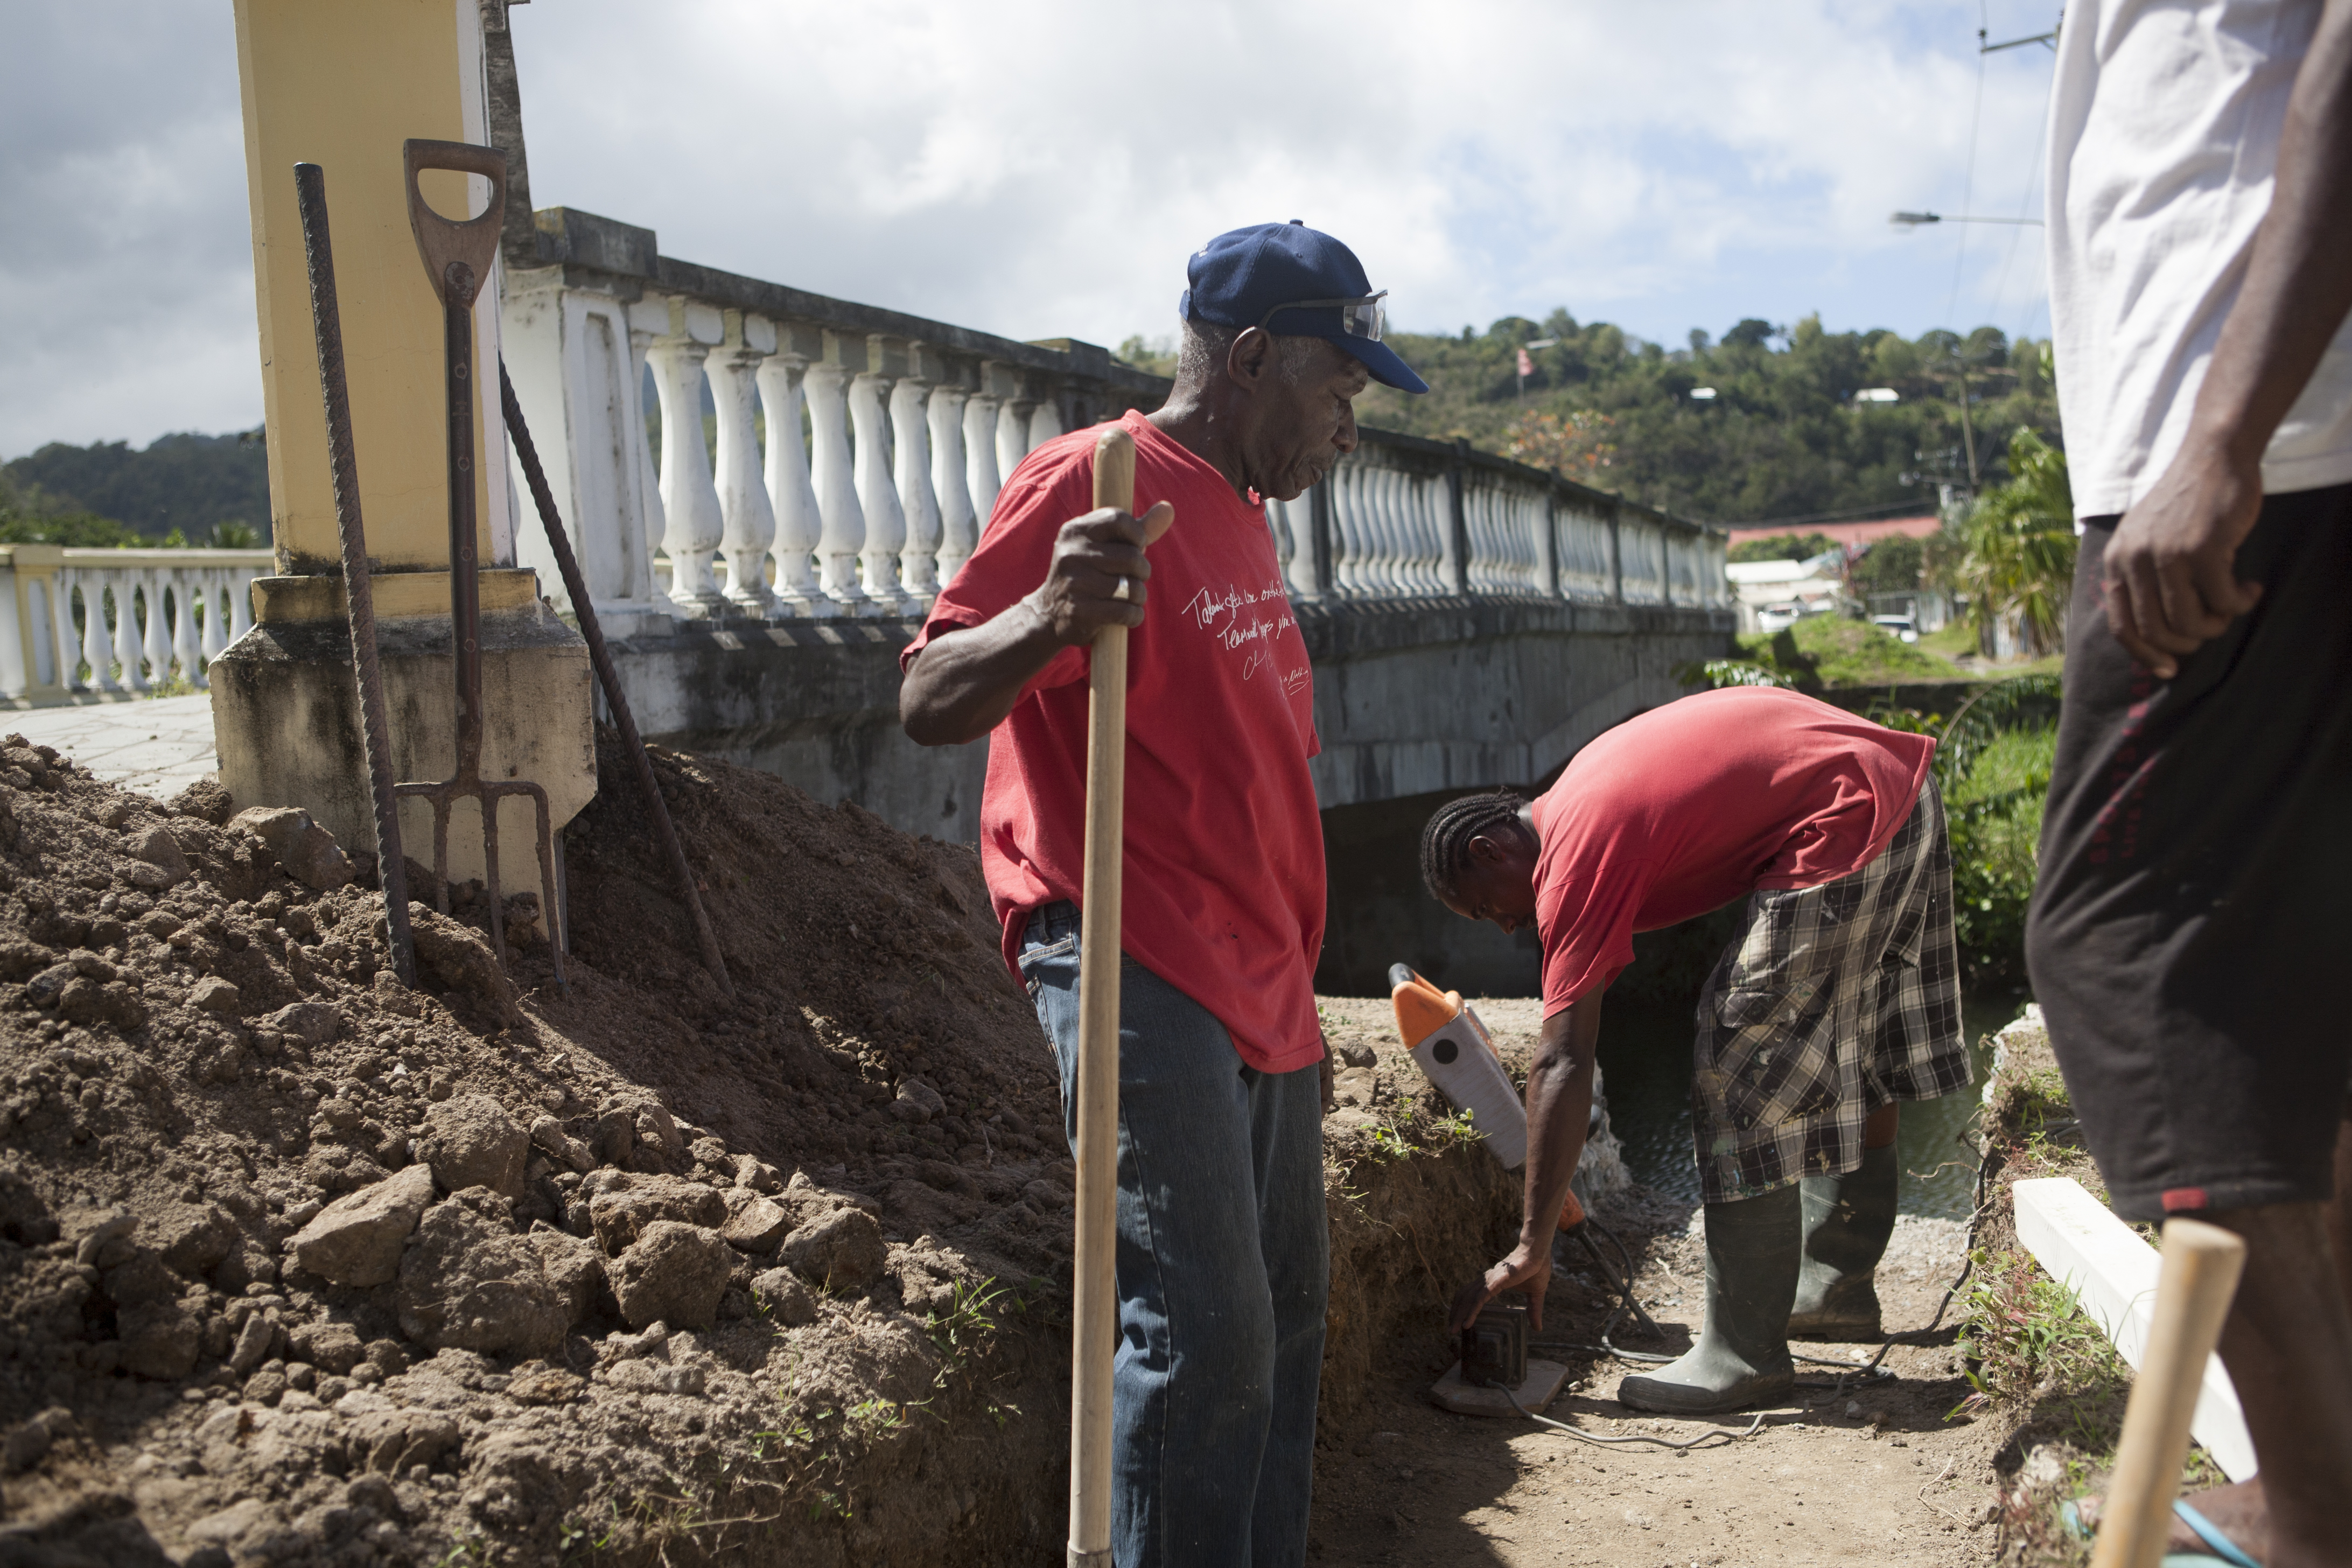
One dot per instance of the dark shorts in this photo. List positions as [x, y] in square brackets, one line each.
[1832, 1003]
[2190, 919]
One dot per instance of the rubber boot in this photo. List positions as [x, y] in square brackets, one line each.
[1753, 1247]
[1848, 1220]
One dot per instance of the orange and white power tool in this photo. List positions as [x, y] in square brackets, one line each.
[1453, 1048]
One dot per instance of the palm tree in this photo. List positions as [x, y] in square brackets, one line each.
[2016, 557]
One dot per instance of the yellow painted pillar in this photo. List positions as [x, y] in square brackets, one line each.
[342, 84]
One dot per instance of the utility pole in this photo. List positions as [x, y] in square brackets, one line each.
[1527, 365]
[1967, 426]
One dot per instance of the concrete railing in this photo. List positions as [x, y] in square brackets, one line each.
[96, 625]
[910, 427]
[1404, 518]
[906, 430]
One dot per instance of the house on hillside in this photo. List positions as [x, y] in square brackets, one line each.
[1774, 594]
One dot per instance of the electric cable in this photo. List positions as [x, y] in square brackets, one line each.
[1725, 1434]
[1626, 1302]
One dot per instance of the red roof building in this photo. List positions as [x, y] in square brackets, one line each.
[1846, 533]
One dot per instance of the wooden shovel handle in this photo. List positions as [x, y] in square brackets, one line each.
[1095, 1306]
[441, 240]
[2193, 1290]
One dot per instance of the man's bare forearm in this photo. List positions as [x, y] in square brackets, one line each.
[2298, 287]
[963, 684]
[1560, 1112]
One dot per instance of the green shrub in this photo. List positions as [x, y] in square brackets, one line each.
[1829, 650]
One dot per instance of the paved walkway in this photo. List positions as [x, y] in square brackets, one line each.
[155, 746]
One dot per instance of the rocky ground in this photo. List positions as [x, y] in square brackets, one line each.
[1851, 1468]
[299, 1265]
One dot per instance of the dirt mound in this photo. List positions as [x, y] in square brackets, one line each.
[299, 1266]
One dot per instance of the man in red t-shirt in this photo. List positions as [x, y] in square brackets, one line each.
[1222, 1255]
[1838, 999]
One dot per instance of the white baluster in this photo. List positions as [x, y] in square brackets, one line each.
[798, 528]
[157, 628]
[641, 342]
[42, 599]
[1393, 559]
[69, 641]
[751, 520]
[1044, 422]
[1429, 503]
[240, 601]
[958, 532]
[885, 521]
[843, 535]
[911, 444]
[97, 641]
[1011, 435]
[183, 629]
[981, 476]
[128, 651]
[695, 526]
[213, 596]
[1349, 528]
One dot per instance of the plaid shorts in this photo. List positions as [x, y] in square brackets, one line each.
[1833, 1002]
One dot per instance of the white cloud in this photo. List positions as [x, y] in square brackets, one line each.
[1041, 167]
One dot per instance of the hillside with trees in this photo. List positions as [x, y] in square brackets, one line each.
[1759, 425]
[181, 490]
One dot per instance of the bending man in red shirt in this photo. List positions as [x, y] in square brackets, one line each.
[1222, 1255]
[1839, 998]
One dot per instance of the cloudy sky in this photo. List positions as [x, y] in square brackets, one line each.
[1041, 168]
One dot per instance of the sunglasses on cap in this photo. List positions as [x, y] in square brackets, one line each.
[1363, 318]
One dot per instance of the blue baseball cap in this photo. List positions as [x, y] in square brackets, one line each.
[1294, 282]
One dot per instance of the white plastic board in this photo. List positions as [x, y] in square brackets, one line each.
[2083, 1246]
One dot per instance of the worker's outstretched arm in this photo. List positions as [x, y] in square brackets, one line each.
[2171, 579]
[1559, 1110]
[964, 682]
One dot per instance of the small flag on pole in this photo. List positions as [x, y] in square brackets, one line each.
[1527, 365]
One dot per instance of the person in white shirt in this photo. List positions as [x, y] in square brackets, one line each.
[2196, 849]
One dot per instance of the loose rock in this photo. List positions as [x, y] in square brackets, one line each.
[469, 1281]
[673, 1274]
[619, 1217]
[842, 1251]
[308, 852]
[470, 1142]
[357, 1239]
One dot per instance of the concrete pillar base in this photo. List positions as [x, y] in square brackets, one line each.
[287, 721]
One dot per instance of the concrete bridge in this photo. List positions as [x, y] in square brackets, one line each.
[1473, 621]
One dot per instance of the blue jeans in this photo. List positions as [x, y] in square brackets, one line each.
[1223, 1263]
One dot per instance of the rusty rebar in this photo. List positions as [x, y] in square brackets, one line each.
[568, 566]
[342, 467]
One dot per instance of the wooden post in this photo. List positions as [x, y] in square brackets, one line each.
[2199, 1275]
[1095, 1304]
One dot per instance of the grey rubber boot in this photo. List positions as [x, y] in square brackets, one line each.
[1848, 1220]
[1753, 1248]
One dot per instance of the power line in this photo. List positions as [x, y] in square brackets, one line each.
[2032, 180]
[1968, 183]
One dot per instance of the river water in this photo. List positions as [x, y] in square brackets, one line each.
[1646, 1062]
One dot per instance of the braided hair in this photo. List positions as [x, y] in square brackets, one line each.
[1445, 841]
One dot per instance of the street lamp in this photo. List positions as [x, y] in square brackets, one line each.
[1913, 220]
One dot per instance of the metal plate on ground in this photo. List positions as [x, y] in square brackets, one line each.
[1542, 1387]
